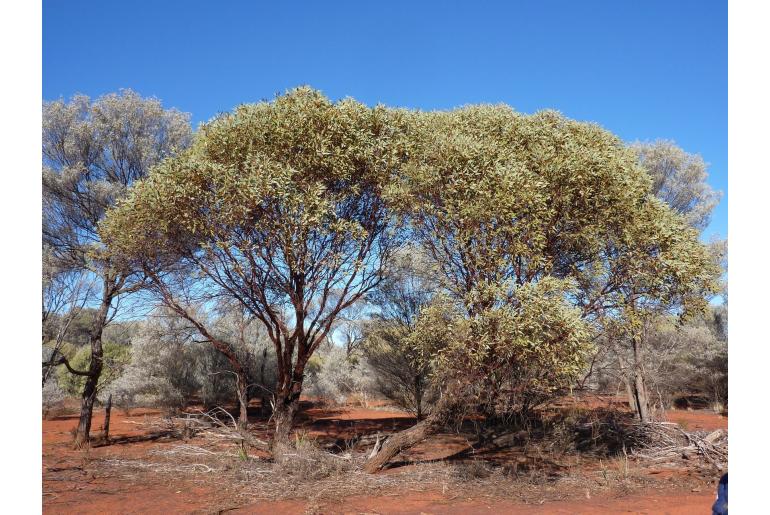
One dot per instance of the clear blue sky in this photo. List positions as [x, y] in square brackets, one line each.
[643, 70]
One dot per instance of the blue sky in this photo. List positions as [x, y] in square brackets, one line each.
[643, 70]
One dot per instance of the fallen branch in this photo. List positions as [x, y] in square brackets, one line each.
[662, 441]
[232, 432]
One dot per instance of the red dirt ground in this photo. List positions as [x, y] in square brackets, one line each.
[697, 420]
[435, 503]
[72, 485]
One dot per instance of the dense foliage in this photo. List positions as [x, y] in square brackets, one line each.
[537, 234]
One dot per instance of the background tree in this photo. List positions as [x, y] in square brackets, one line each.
[402, 370]
[339, 377]
[687, 361]
[92, 152]
[280, 206]
[170, 366]
[656, 267]
[679, 179]
[252, 349]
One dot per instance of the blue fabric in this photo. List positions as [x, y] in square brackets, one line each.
[720, 505]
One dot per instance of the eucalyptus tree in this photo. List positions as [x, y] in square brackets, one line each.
[92, 152]
[544, 228]
[281, 206]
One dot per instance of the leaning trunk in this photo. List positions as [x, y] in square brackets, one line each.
[82, 434]
[439, 416]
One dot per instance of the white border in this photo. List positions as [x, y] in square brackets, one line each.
[748, 219]
[21, 429]
[749, 114]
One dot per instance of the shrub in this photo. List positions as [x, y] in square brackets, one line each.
[339, 378]
[401, 373]
[53, 396]
[169, 368]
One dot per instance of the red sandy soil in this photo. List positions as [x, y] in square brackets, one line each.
[436, 503]
[70, 485]
[697, 420]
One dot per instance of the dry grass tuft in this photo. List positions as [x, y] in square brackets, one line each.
[305, 460]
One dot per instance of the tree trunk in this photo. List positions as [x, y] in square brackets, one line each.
[106, 427]
[640, 398]
[418, 396]
[638, 388]
[289, 389]
[243, 403]
[265, 407]
[628, 381]
[82, 434]
[438, 417]
[285, 410]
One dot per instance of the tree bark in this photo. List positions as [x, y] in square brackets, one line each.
[288, 390]
[106, 427]
[265, 407]
[418, 396]
[628, 381]
[438, 417]
[243, 402]
[82, 434]
[283, 414]
[638, 388]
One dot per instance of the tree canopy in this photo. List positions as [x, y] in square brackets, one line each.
[282, 206]
[541, 229]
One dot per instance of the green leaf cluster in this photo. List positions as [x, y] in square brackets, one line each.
[541, 227]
